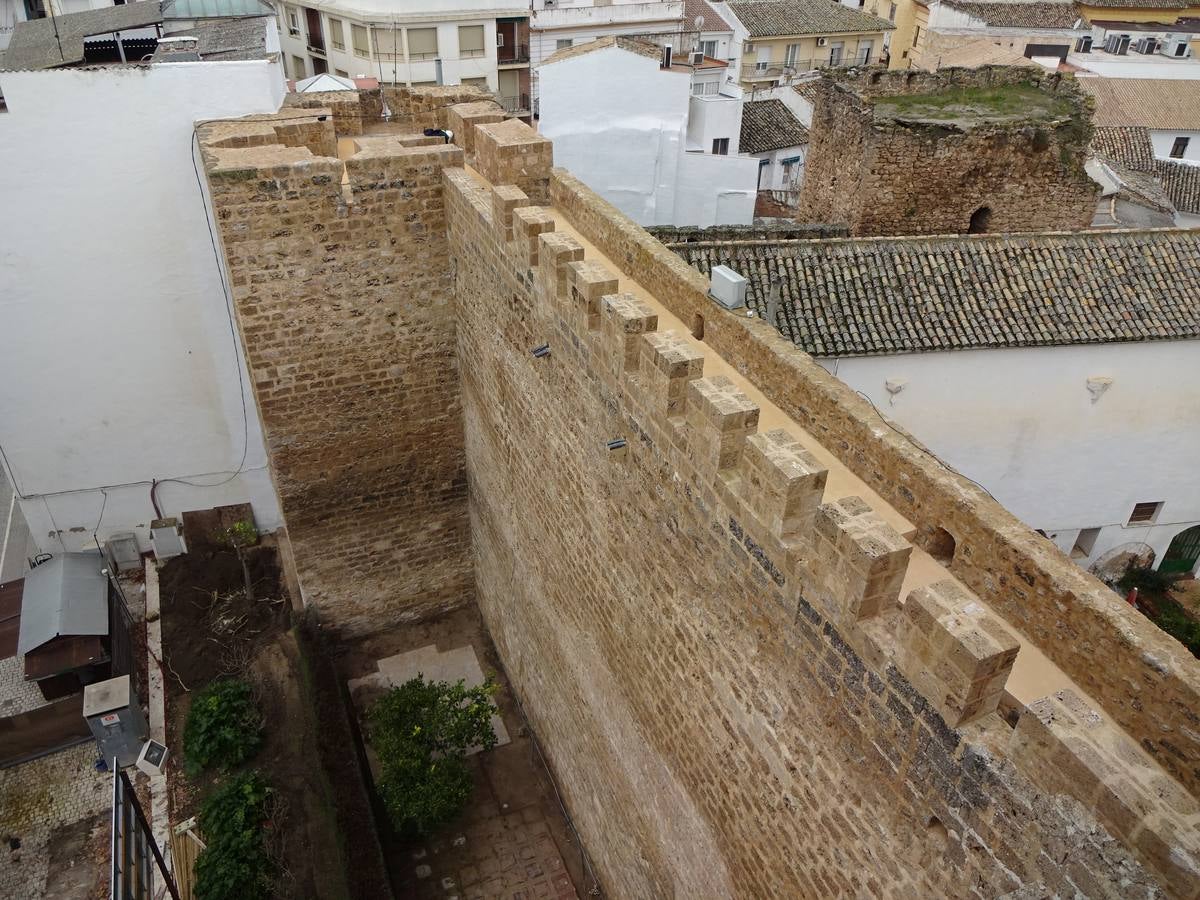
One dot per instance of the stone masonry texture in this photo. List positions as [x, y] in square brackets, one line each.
[896, 177]
[727, 684]
[343, 300]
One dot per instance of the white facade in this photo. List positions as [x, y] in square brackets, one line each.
[624, 125]
[781, 170]
[1165, 141]
[14, 11]
[1068, 438]
[398, 41]
[117, 360]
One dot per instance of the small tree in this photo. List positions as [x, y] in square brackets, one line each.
[223, 727]
[421, 732]
[235, 864]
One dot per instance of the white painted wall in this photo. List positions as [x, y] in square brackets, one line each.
[712, 117]
[117, 365]
[1162, 141]
[1022, 423]
[620, 123]
[774, 176]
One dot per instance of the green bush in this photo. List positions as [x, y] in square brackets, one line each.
[223, 727]
[235, 865]
[421, 732]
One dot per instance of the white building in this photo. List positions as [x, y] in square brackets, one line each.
[121, 374]
[1157, 50]
[412, 42]
[1064, 388]
[772, 134]
[1044, 32]
[659, 143]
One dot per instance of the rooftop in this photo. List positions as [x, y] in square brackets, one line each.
[713, 20]
[224, 39]
[779, 18]
[1020, 13]
[58, 41]
[1139, 4]
[972, 54]
[769, 125]
[1149, 102]
[881, 296]
[1130, 148]
[633, 45]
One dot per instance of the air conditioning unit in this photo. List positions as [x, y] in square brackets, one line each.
[1146, 46]
[166, 538]
[1175, 46]
[748, 47]
[153, 758]
[1122, 45]
[728, 287]
[821, 42]
[123, 551]
[697, 58]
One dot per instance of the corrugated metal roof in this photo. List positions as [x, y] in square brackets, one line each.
[214, 9]
[66, 595]
[58, 41]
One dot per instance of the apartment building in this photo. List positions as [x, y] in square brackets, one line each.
[412, 42]
[789, 37]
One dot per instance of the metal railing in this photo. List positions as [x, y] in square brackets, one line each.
[753, 71]
[783, 198]
[135, 855]
[516, 105]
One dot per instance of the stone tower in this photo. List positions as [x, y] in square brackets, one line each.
[998, 149]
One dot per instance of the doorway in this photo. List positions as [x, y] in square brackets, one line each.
[1183, 553]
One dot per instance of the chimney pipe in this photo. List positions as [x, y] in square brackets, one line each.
[773, 300]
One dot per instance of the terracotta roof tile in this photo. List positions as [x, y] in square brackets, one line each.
[1151, 102]
[911, 295]
[769, 125]
[777, 18]
[713, 20]
[1020, 13]
[1131, 148]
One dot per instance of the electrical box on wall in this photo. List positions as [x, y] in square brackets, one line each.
[166, 537]
[115, 717]
[124, 552]
[728, 287]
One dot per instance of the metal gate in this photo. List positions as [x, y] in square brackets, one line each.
[1181, 556]
[137, 863]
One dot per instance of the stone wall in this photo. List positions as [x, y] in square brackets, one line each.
[714, 659]
[342, 294]
[891, 176]
[1148, 683]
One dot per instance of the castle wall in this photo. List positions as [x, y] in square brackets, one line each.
[713, 658]
[899, 177]
[343, 303]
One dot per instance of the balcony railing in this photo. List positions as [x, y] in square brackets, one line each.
[512, 53]
[518, 105]
[756, 71]
[316, 44]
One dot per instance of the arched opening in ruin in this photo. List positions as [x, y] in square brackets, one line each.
[980, 220]
[941, 546]
[698, 327]
[937, 830]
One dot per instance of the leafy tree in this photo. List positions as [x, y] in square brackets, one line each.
[421, 732]
[223, 728]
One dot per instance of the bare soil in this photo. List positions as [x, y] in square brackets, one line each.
[212, 628]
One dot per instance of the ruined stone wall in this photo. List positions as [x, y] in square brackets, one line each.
[889, 176]
[1147, 682]
[342, 295]
[715, 660]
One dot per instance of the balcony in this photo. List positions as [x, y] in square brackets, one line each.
[620, 14]
[755, 72]
[517, 106]
[512, 55]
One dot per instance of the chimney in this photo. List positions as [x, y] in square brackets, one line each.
[773, 300]
[666, 57]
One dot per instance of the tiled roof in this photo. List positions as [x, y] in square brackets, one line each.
[1152, 102]
[1138, 4]
[778, 18]
[972, 55]
[713, 21]
[1020, 13]
[910, 295]
[1132, 149]
[633, 45]
[769, 125]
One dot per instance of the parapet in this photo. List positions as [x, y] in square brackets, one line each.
[510, 152]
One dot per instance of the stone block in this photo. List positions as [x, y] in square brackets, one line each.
[555, 251]
[782, 482]
[587, 282]
[529, 223]
[623, 320]
[720, 418]
[505, 199]
[867, 558]
[668, 364]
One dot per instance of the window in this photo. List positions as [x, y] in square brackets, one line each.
[422, 43]
[1144, 513]
[835, 52]
[470, 40]
[1085, 543]
[293, 22]
[340, 73]
[358, 35]
[791, 55]
[1179, 147]
[387, 43]
[709, 48]
[337, 34]
[864, 52]
[721, 146]
[761, 65]
[916, 35]
[562, 43]
[477, 82]
[298, 70]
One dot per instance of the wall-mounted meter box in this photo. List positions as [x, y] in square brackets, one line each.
[116, 719]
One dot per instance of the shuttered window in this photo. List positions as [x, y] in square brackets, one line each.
[470, 40]
[422, 43]
[358, 34]
[387, 43]
[337, 36]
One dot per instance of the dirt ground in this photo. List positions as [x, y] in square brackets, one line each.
[513, 840]
[1187, 594]
[211, 628]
